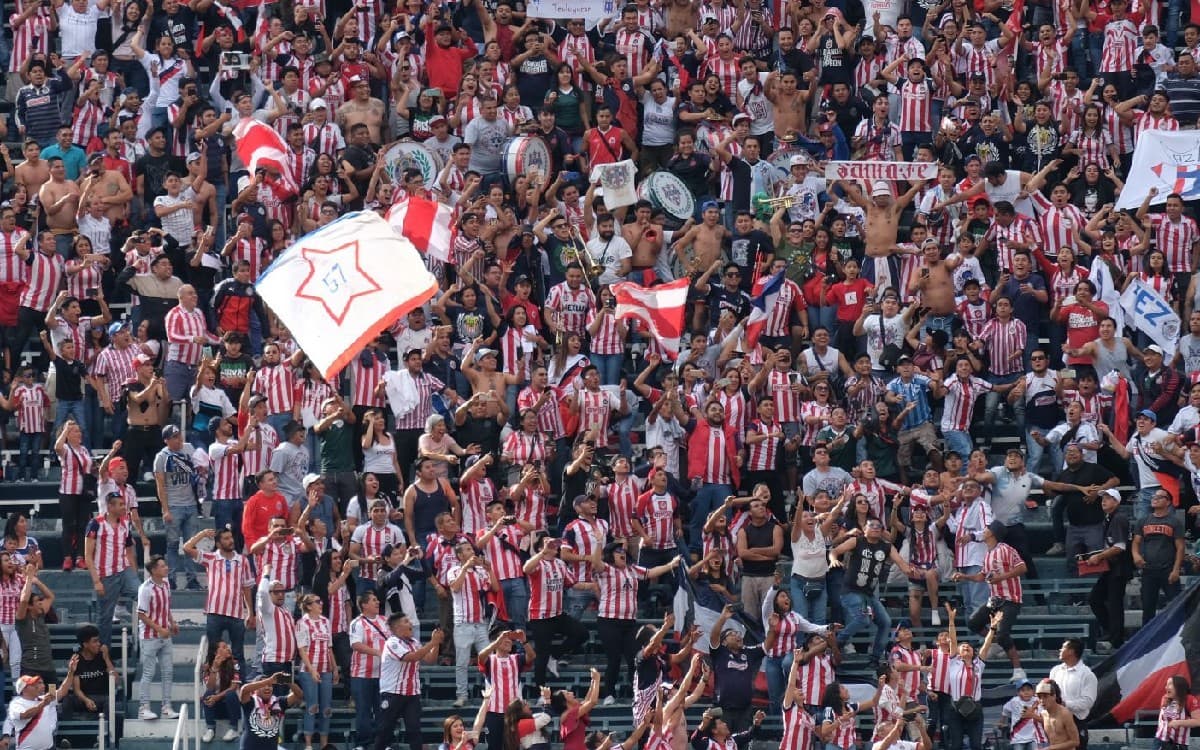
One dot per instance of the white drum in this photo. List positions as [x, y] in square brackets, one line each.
[666, 191]
[412, 155]
[523, 154]
[781, 158]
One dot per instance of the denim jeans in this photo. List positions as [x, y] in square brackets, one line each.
[577, 602]
[279, 421]
[156, 652]
[159, 118]
[318, 701]
[30, 444]
[95, 417]
[125, 582]
[777, 669]
[365, 691]
[813, 609]
[180, 378]
[709, 498]
[73, 409]
[466, 635]
[229, 513]
[609, 366]
[217, 625]
[860, 609]
[992, 404]
[1034, 452]
[1171, 21]
[974, 593]
[1141, 503]
[228, 708]
[516, 600]
[959, 441]
[182, 526]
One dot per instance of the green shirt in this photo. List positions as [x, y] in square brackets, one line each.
[336, 452]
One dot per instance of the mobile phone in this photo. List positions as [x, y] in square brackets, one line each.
[92, 292]
[610, 303]
[287, 530]
[1067, 372]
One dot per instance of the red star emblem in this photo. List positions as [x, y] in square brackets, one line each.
[335, 279]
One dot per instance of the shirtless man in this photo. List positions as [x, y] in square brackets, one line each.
[790, 102]
[881, 230]
[935, 283]
[1059, 723]
[705, 239]
[645, 238]
[363, 108]
[33, 172]
[108, 187]
[481, 366]
[682, 17]
[60, 199]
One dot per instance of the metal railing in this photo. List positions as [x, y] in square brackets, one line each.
[103, 734]
[197, 687]
[181, 730]
[125, 654]
[112, 713]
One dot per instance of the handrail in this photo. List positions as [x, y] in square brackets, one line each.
[112, 712]
[125, 654]
[181, 729]
[201, 652]
[102, 732]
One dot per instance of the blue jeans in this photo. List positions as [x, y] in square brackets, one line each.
[217, 625]
[279, 421]
[577, 602]
[812, 609]
[516, 600]
[160, 119]
[821, 317]
[777, 669]
[365, 691]
[860, 610]
[180, 378]
[228, 708]
[1141, 505]
[228, 513]
[1035, 452]
[30, 445]
[609, 366]
[1171, 21]
[940, 323]
[318, 701]
[992, 403]
[974, 593]
[959, 441]
[115, 585]
[182, 526]
[95, 417]
[624, 427]
[709, 498]
[73, 409]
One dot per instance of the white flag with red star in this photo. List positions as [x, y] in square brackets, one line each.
[339, 286]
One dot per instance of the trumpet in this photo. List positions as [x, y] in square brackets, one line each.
[579, 254]
[783, 201]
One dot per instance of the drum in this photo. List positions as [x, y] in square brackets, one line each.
[525, 153]
[782, 158]
[666, 191]
[412, 155]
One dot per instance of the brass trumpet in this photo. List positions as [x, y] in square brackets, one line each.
[579, 254]
[783, 201]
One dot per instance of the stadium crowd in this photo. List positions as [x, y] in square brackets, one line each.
[475, 481]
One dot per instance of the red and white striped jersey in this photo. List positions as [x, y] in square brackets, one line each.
[504, 672]
[439, 554]
[530, 507]
[75, 463]
[973, 60]
[1067, 108]
[723, 543]
[281, 557]
[12, 268]
[737, 409]
[324, 139]
[1175, 712]
[968, 523]
[226, 469]
[364, 380]
[657, 514]
[728, 71]
[373, 539]
[371, 632]
[259, 447]
[1093, 405]
[939, 671]
[522, 448]
[916, 106]
[1063, 285]
[115, 367]
[468, 601]
[1001, 559]
[397, 676]
[154, 601]
[571, 50]
[876, 492]
[868, 69]
[779, 317]
[228, 578]
[1058, 225]
[277, 383]
[111, 540]
[763, 455]
[608, 336]
[811, 409]
[595, 413]
[909, 683]
[549, 417]
[88, 116]
[183, 327]
[1001, 236]
[787, 402]
[279, 629]
[251, 250]
[339, 610]
[313, 637]
[580, 537]
[572, 306]
[1121, 40]
[426, 385]
[799, 730]
[30, 403]
[1053, 55]
[815, 675]
[973, 316]
[501, 550]
[1177, 240]
[961, 678]
[717, 468]
[618, 591]
[789, 627]
[960, 402]
[1147, 121]
[10, 595]
[547, 583]
[475, 495]
[1003, 341]
[1120, 133]
[513, 358]
[46, 276]
[623, 495]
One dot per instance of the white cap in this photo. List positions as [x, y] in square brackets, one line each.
[317, 103]
[880, 188]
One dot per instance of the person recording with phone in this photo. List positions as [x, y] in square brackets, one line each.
[263, 704]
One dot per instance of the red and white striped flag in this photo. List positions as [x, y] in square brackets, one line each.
[424, 223]
[660, 308]
[260, 147]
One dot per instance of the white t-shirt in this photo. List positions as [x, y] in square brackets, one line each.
[891, 332]
[41, 736]
[658, 121]
[1139, 448]
[179, 224]
[608, 254]
[78, 30]
[756, 104]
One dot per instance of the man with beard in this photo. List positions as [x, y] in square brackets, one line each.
[230, 604]
[609, 251]
[713, 460]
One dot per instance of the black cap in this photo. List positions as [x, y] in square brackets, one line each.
[522, 279]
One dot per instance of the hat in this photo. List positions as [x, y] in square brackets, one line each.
[310, 479]
[142, 359]
[880, 188]
[739, 117]
[485, 352]
[903, 358]
[522, 279]
[1148, 414]
[438, 120]
[256, 399]
[998, 529]
[1114, 493]
[799, 160]
[117, 327]
[707, 205]
[708, 18]
[1024, 683]
[96, 157]
[978, 77]
[356, 79]
[580, 500]
[193, 156]
[321, 57]
[443, 27]
[1156, 349]
[25, 681]
[1044, 687]
[973, 157]
[245, 218]
[170, 431]
[317, 103]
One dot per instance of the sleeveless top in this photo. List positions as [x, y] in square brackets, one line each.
[426, 508]
[1115, 359]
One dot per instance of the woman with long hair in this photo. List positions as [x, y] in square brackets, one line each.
[379, 454]
[334, 585]
[568, 361]
[1067, 275]
[1091, 142]
[220, 701]
[77, 479]
[370, 489]
[783, 627]
[166, 66]
[523, 729]
[456, 736]
[17, 542]
[313, 392]
[921, 541]
[1092, 187]
[811, 537]
[314, 643]
[569, 104]
[1178, 712]
[12, 580]
[124, 60]
[608, 335]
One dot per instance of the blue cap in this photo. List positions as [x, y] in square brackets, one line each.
[1024, 683]
[117, 327]
[707, 205]
[1148, 414]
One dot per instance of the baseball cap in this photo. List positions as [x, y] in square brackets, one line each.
[142, 359]
[317, 103]
[256, 399]
[1114, 493]
[1156, 349]
[880, 188]
[1148, 414]
[193, 156]
[799, 160]
[740, 116]
[1024, 683]
[904, 358]
[117, 327]
[485, 352]
[245, 218]
[170, 431]
[26, 680]
[309, 479]
[522, 279]
[96, 157]
[438, 120]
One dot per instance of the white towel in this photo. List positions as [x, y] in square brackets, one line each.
[401, 392]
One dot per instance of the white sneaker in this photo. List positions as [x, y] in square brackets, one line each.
[1057, 549]
[167, 712]
[145, 714]
[230, 735]
[1017, 675]
[460, 701]
[552, 666]
[849, 649]
[935, 619]
[208, 735]
[608, 701]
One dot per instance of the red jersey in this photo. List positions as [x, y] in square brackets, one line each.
[547, 583]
